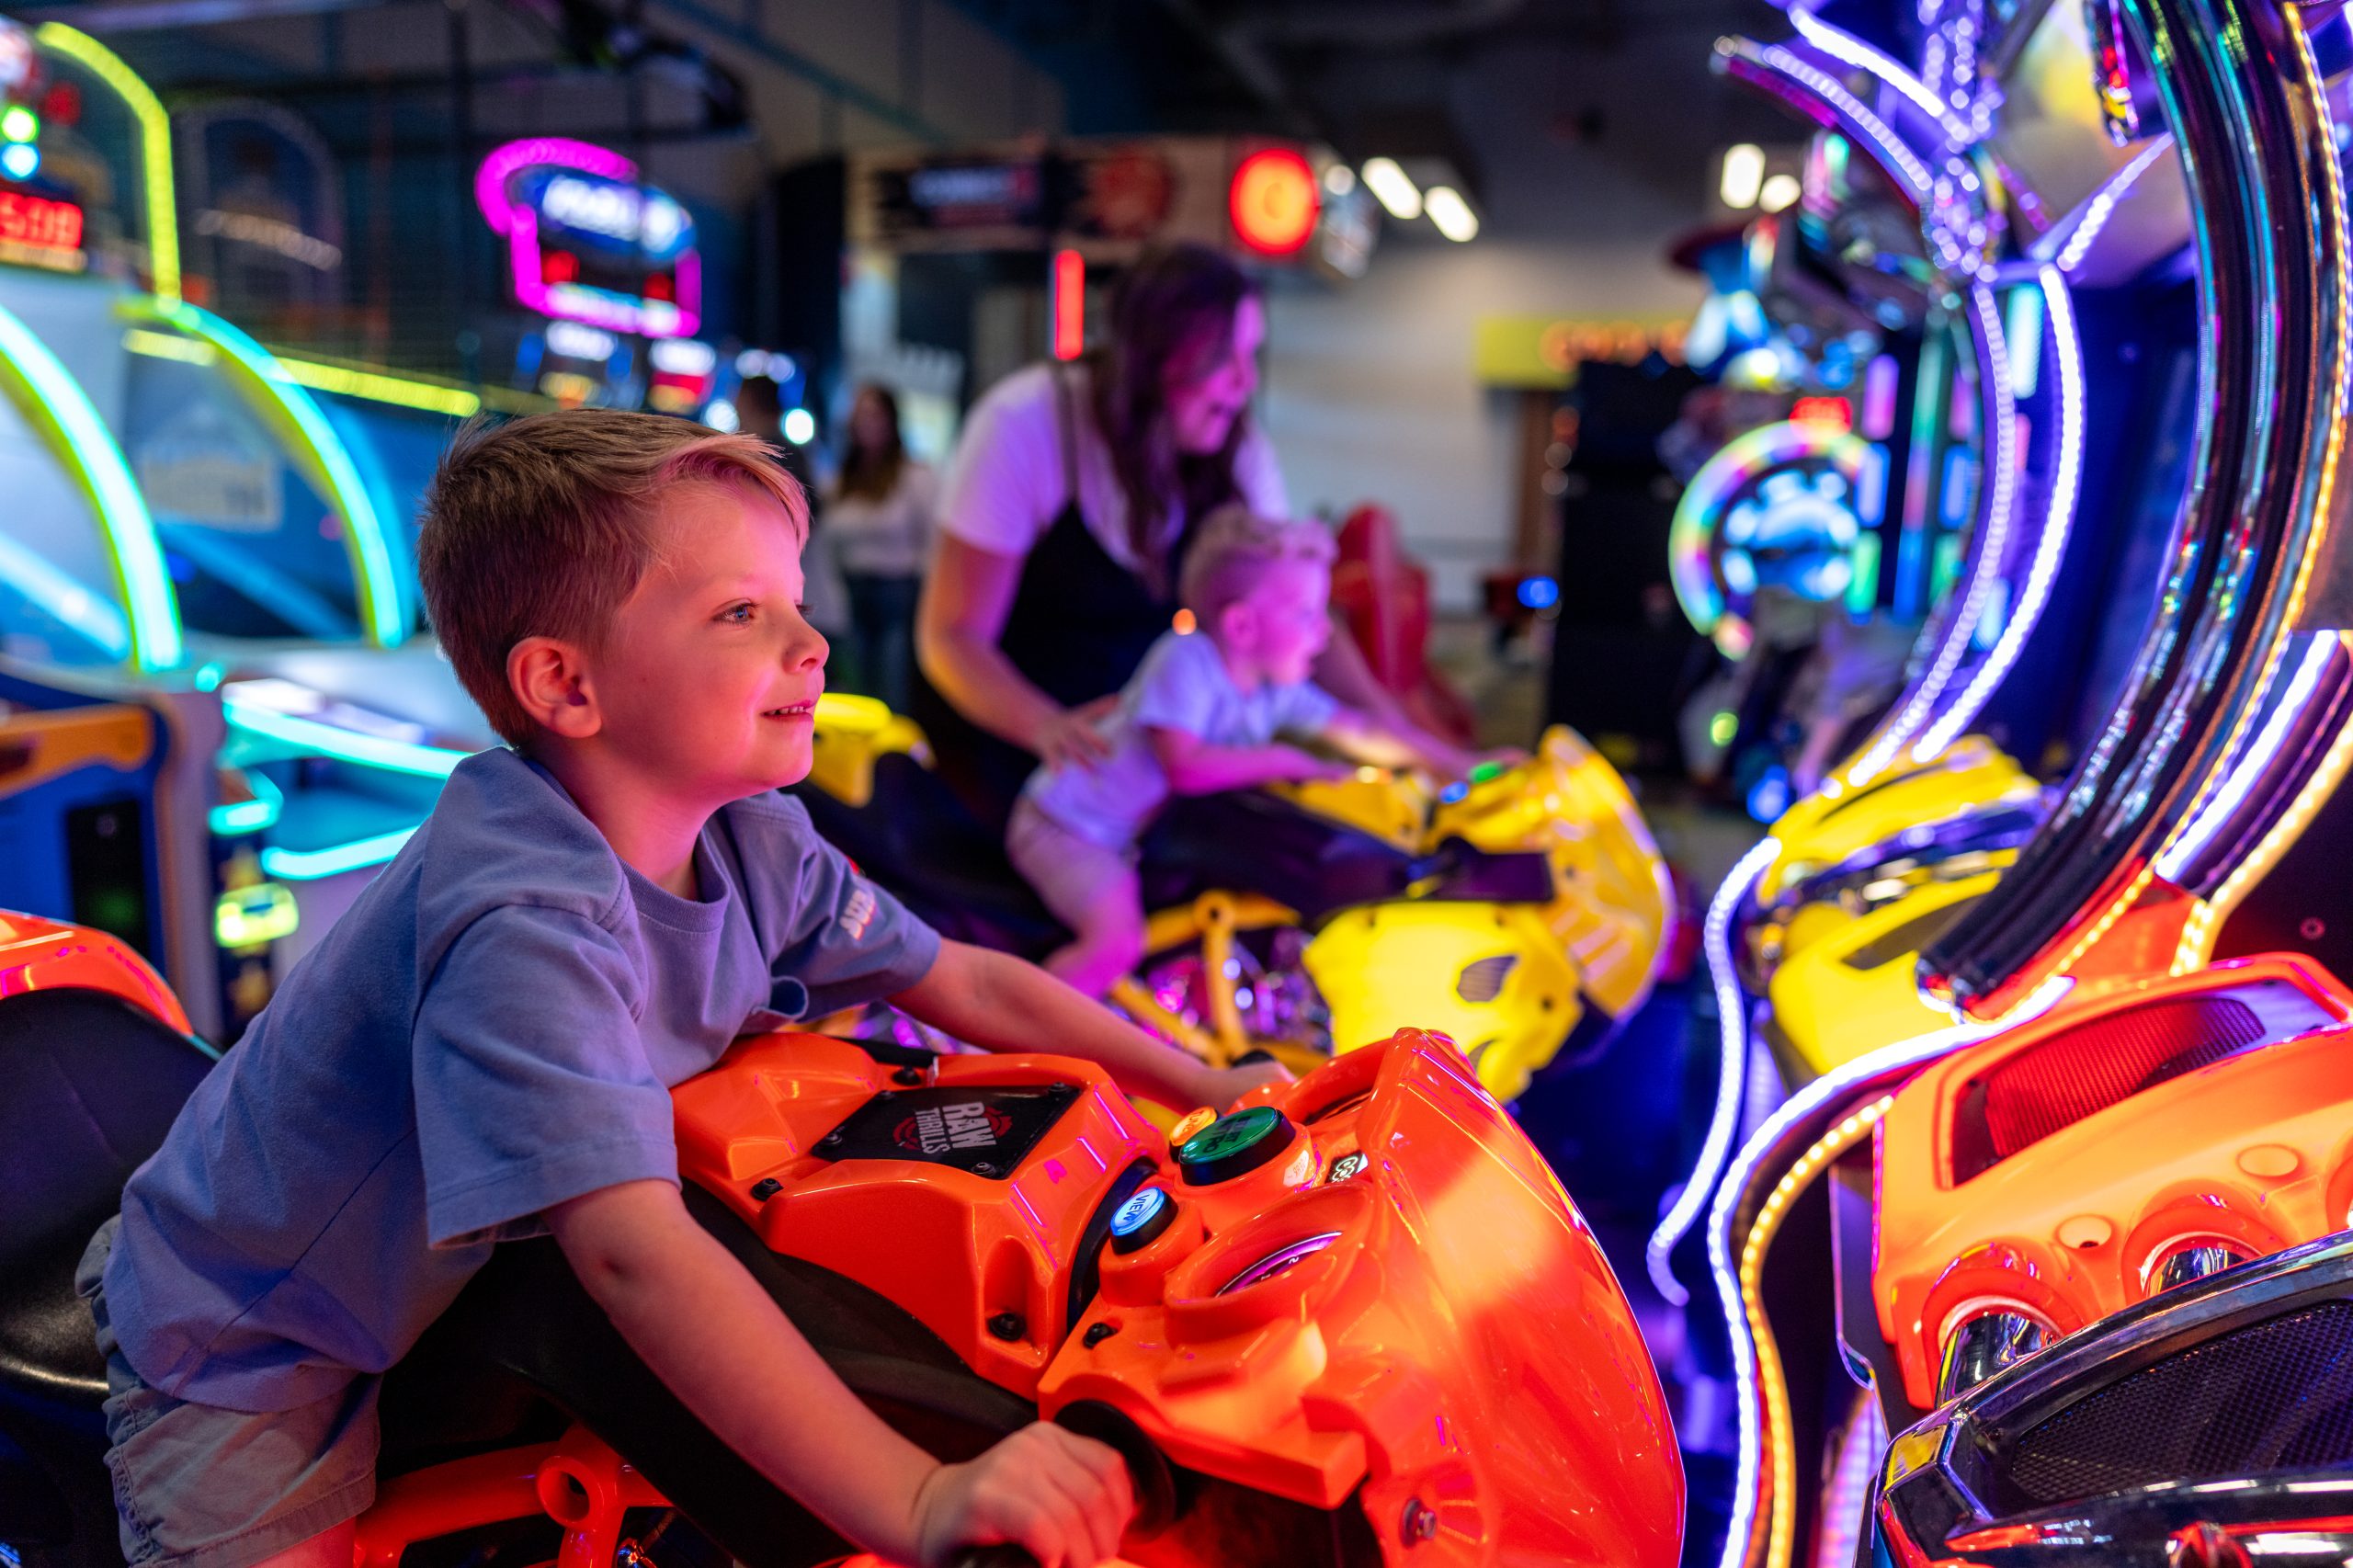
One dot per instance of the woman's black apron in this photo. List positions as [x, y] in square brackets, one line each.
[1079, 625]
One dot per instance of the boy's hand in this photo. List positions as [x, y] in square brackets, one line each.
[1064, 1499]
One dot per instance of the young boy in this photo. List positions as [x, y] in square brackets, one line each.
[482, 1047]
[1200, 715]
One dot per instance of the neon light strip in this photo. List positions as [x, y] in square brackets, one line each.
[64, 599]
[521, 226]
[1846, 47]
[304, 427]
[2175, 857]
[1804, 1103]
[1731, 1068]
[249, 816]
[2199, 932]
[1795, 1180]
[154, 145]
[2101, 209]
[53, 403]
[1069, 304]
[374, 386]
[1995, 527]
[344, 745]
[2066, 486]
[310, 865]
[1897, 155]
[343, 381]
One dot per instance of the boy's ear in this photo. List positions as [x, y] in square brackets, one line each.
[550, 678]
[1237, 624]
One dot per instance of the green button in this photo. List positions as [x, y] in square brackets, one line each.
[1231, 1145]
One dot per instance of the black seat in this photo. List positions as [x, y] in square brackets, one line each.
[88, 1087]
[914, 837]
[525, 1340]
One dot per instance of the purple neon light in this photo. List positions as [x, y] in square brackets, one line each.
[1722, 1215]
[520, 225]
[1994, 373]
[1846, 49]
[2058, 524]
[2179, 857]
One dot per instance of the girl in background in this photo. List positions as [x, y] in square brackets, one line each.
[878, 523]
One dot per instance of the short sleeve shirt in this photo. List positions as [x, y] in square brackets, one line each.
[493, 1028]
[1006, 483]
[1183, 685]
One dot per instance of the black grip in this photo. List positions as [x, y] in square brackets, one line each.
[993, 1556]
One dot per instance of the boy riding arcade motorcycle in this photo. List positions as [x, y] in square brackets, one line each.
[1353, 1322]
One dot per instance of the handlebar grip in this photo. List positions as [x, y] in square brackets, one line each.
[993, 1556]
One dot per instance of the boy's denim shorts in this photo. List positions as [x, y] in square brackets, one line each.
[196, 1486]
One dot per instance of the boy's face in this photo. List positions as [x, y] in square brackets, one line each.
[1283, 622]
[709, 680]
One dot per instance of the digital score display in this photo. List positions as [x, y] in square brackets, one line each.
[37, 231]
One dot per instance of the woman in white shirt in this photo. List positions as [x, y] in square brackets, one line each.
[1064, 516]
[878, 525]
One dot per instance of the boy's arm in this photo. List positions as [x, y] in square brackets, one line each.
[999, 1002]
[1194, 766]
[739, 1364]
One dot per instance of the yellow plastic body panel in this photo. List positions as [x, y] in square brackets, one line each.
[850, 733]
[1832, 1004]
[1832, 825]
[1390, 805]
[1492, 977]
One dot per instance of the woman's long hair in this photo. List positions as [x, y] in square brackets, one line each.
[872, 472]
[1174, 302]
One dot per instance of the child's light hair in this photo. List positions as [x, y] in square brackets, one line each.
[541, 528]
[1233, 549]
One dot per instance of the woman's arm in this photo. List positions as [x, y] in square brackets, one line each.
[965, 601]
[1343, 670]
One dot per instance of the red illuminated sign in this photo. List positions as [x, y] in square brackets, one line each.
[38, 223]
[1274, 201]
[1069, 300]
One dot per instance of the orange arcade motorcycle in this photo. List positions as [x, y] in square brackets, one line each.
[1355, 1322]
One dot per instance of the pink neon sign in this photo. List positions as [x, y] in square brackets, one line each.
[600, 208]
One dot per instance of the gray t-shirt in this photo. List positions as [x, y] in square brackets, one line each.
[493, 1028]
[1183, 684]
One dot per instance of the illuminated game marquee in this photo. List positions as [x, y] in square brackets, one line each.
[588, 243]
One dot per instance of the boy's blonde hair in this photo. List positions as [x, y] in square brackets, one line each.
[542, 527]
[1232, 552]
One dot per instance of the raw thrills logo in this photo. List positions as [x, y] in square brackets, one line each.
[940, 1129]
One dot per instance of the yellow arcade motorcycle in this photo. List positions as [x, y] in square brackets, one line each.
[1522, 912]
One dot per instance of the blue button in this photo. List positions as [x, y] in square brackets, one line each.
[1138, 1211]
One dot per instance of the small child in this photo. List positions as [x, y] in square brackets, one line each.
[483, 1047]
[1200, 715]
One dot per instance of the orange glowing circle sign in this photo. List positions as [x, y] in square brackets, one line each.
[1273, 200]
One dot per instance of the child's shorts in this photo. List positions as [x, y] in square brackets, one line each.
[196, 1486]
[1069, 872]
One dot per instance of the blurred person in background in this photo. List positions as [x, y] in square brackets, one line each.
[759, 411]
[878, 525]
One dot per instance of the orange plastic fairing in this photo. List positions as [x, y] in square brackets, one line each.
[2051, 1172]
[43, 955]
[1400, 1305]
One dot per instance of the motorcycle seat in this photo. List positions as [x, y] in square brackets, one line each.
[88, 1087]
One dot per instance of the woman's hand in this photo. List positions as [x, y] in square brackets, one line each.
[1070, 739]
[1064, 1499]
